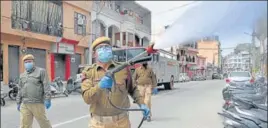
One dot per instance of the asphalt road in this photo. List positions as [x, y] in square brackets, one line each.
[190, 105]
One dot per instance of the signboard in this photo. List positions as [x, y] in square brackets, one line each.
[72, 59]
[65, 48]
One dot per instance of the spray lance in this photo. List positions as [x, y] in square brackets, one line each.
[143, 57]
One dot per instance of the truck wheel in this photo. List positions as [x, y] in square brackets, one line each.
[170, 85]
[3, 102]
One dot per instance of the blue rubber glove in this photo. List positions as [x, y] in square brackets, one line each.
[106, 82]
[18, 107]
[47, 104]
[155, 91]
[146, 110]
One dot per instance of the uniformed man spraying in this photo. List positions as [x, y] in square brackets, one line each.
[145, 79]
[34, 95]
[94, 89]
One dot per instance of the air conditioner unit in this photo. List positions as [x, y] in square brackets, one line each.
[80, 21]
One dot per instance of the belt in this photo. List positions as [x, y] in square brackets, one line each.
[109, 119]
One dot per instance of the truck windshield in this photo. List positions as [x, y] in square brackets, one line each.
[121, 54]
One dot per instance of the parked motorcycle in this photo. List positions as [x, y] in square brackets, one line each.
[245, 114]
[57, 87]
[13, 86]
[73, 85]
[245, 105]
[3, 96]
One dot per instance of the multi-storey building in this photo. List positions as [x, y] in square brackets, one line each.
[210, 48]
[237, 62]
[187, 57]
[55, 32]
[126, 22]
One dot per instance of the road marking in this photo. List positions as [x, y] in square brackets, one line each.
[69, 121]
[85, 116]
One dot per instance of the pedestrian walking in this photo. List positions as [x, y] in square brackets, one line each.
[145, 79]
[34, 95]
[95, 83]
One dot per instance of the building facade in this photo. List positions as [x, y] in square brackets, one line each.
[126, 22]
[187, 57]
[56, 33]
[210, 48]
[237, 62]
[201, 65]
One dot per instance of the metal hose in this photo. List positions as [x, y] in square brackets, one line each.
[125, 109]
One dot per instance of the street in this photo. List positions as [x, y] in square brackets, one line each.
[190, 105]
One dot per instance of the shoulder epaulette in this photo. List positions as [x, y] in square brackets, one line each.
[87, 68]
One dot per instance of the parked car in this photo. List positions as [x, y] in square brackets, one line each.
[195, 78]
[202, 77]
[187, 78]
[225, 75]
[240, 77]
[181, 78]
[216, 76]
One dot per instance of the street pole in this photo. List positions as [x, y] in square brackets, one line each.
[254, 52]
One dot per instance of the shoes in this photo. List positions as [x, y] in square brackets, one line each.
[149, 119]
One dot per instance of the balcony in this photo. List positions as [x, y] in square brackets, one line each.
[39, 17]
[127, 12]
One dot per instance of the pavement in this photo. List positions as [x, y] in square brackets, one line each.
[190, 105]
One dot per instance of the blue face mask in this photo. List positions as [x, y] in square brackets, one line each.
[105, 54]
[28, 66]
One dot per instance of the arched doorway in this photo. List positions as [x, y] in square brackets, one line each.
[98, 29]
[114, 35]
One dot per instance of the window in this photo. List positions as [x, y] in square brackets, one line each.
[38, 16]
[121, 55]
[80, 24]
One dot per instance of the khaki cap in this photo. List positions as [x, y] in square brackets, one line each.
[101, 40]
[28, 57]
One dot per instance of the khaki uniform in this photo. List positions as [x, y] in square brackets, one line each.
[103, 115]
[34, 88]
[145, 80]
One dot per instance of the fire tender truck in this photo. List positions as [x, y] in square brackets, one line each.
[163, 63]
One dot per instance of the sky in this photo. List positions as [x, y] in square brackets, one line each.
[162, 17]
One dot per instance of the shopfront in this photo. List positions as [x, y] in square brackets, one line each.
[1, 62]
[75, 62]
[63, 52]
[39, 56]
[13, 62]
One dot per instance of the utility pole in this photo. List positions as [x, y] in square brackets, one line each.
[253, 51]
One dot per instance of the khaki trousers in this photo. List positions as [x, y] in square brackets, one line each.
[36, 110]
[146, 93]
[121, 123]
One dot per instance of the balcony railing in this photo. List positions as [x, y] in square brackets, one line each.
[37, 27]
[40, 17]
[116, 14]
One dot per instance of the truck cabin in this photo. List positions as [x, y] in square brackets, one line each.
[124, 54]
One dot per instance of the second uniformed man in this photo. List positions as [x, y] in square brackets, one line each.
[145, 79]
[34, 95]
[95, 83]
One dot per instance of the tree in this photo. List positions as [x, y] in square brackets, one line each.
[261, 28]
[261, 35]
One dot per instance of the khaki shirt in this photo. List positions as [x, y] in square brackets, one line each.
[144, 76]
[97, 97]
[33, 87]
